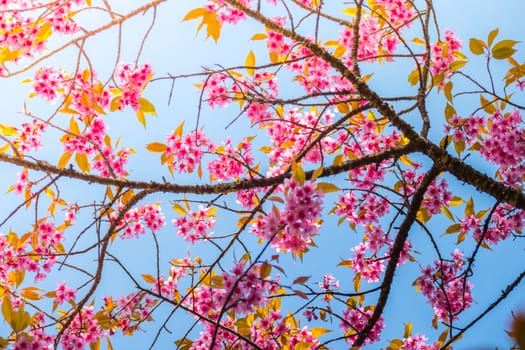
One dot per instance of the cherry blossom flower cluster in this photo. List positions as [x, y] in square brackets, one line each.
[49, 83]
[128, 312]
[222, 88]
[437, 195]
[64, 294]
[232, 162]
[268, 331]
[243, 291]
[500, 138]
[366, 140]
[329, 283]
[364, 209]
[83, 330]
[465, 129]
[22, 182]
[292, 228]
[133, 80]
[16, 253]
[30, 137]
[445, 286]
[225, 13]
[61, 16]
[276, 43]
[443, 54]
[504, 221]
[25, 33]
[88, 100]
[354, 321]
[418, 342]
[505, 146]
[195, 225]
[136, 220]
[240, 290]
[184, 152]
[37, 337]
[293, 133]
[247, 198]
[375, 38]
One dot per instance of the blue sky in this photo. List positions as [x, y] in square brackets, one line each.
[174, 48]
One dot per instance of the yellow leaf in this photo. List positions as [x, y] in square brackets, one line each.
[447, 212]
[73, 126]
[456, 65]
[298, 173]
[318, 172]
[350, 11]
[287, 144]
[149, 278]
[492, 35]
[7, 309]
[456, 201]
[8, 130]
[319, 331]
[339, 159]
[95, 346]
[408, 330]
[413, 77]
[64, 160]
[82, 162]
[156, 147]
[327, 187]
[44, 32]
[31, 293]
[476, 46]
[195, 13]
[260, 36]
[504, 49]
[214, 26]
[339, 51]
[487, 106]
[141, 118]
[115, 103]
[418, 41]
[449, 111]
[178, 131]
[146, 106]
[448, 91]
[5, 148]
[250, 63]
[178, 208]
[406, 160]
[49, 192]
[469, 208]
